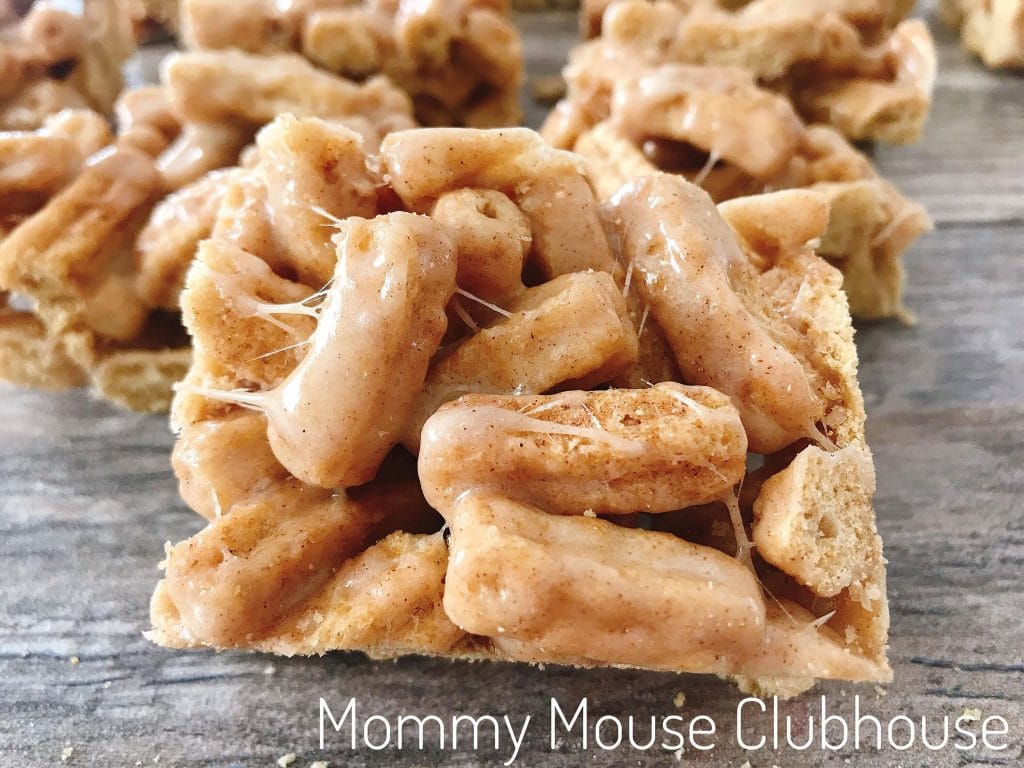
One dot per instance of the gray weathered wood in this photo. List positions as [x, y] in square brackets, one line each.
[87, 499]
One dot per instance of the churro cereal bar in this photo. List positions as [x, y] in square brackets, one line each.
[857, 66]
[100, 229]
[719, 129]
[870, 17]
[402, 426]
[992, 29]
[52, 59]
[459, 60]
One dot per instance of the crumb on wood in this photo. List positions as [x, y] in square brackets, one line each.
[971, 715]
[679, 700]
[74, 660]
[285, 760]
[65, 754]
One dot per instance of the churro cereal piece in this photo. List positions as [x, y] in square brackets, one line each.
[566, 227]
[798, 648]
[225, 87]
[31, 357]
[492, 237]
[399, 270]
[696, 105]
[210, 105]
[146, 121]
[385, 601]
[196, 150]
[220, 461]
[35, 165]
[873, 273]
[696, 121]
[460, 62]
[687, 258]
[814, 521]
[590, 590]
[536, 346]
[992, 29]
[612, 159]
[167, 244]
[147, 105]
[29, 109]
[302, 163]
[550, 189]
[659, 449]
[228, 307]
[871, 75]
[252, 566]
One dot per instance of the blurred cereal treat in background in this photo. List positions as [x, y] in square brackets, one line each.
[52, 59]
[98, 228]
[993, 29]
[859, 66]
[459, 60]
[719, 129]
[869, 16]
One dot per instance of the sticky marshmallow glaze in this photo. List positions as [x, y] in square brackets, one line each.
[571, 586]
[332, 420]
[704, 294]
[659, 449]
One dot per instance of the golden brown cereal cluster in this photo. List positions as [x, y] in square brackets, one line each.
[993, 29]
[52, 59]
[719, 129]
[459, 60]
[856, 65]
[460, 296]
[98, 230]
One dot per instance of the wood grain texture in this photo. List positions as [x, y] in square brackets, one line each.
[87, 499]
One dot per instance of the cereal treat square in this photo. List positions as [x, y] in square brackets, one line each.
[460, 297]
[858, 66]
[719, 129]
[460, 60]
[97, 230]
[993, 29]
[154, 18]
[52, 59]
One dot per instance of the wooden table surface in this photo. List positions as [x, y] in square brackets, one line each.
[87, 501]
